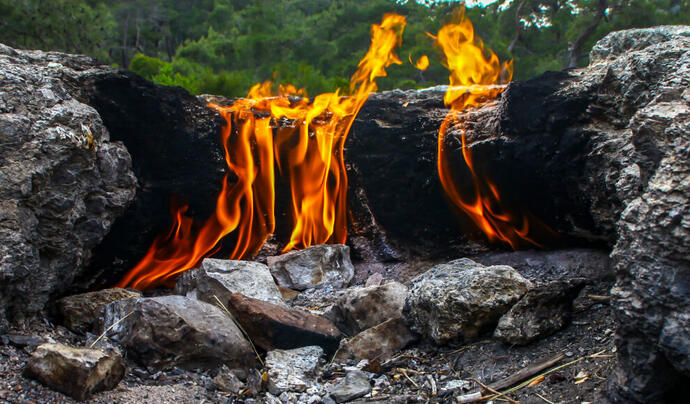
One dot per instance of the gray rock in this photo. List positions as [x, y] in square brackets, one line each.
[168, 331]
[602, 157]
[292, 370]
[227, 381]
[651, 297]
[224, 277]
[542, 311]
[80, 312]
[315, 266]
[62, 181]
[379, 343]
[354, 385]
[459, 300]
[358, 309]
[77, 372]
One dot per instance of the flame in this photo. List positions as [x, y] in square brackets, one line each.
[477, 76]
[308, 153]
[422, 63]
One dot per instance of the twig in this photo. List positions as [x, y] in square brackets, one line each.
[525, 383]
[470, 397]
[544, 398]
[525, 373]
[432, 383]
[408, 378]
[497, 394]
[110, 328]
[241, 329]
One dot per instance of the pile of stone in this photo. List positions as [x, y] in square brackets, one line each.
[242, 320]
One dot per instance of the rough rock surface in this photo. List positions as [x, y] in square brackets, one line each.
[168, 331]
[651, 298]
[227, 381]
[360, 308]
[599, 153]
[458, 301]
[315, 266]
[80, 312]
[77, 372]
[276, 327]
[543, 310]
[378, 343]
[354, 385]
[292, 370]
[223, 277]
[63, 182]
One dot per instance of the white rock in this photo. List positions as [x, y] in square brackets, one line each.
[292, 370]
[313, 267]
[223, 277]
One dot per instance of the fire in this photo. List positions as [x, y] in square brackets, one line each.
[308, 153]
[422, 63]
[477, 76]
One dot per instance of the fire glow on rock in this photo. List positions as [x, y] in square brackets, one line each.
[308, 152]
[307, 149]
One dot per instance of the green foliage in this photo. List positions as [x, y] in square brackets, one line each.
[225, 46]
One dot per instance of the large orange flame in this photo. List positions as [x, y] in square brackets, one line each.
[477, 76]
[308, 151]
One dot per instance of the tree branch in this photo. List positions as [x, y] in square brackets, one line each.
[576, 49]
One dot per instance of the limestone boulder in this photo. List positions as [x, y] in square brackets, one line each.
[462, 299]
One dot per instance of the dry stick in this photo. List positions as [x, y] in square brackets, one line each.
[241, 329]
[497, 394]
[544, 398]
[526, 372]
[411, 381]
[523, 384]
[432, 383]
[110, 328]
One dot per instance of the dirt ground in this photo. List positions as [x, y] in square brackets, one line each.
[407, 375]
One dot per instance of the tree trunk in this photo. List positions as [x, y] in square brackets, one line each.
[518, 26]
[576, 50]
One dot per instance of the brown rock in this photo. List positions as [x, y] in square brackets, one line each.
[361, 308]
[377, 343]
[166, 331]
[80, 312]
[77, 372]
[275, 327]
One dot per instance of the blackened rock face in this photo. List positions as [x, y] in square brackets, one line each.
[391, 152]
[174, 140]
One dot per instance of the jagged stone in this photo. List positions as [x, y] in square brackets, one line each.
[168, 331]
[292, 370]
[378, 343]
[358, 309]
[355, 385]
[543, 310]
[223, 277]
[77, 372]
[227, 381]
[270, 326]
[459, 300]
[80, 312]
[63, 180]
[315, 266]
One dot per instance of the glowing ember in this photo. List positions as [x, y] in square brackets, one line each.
[308, 153]
[476, 77]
